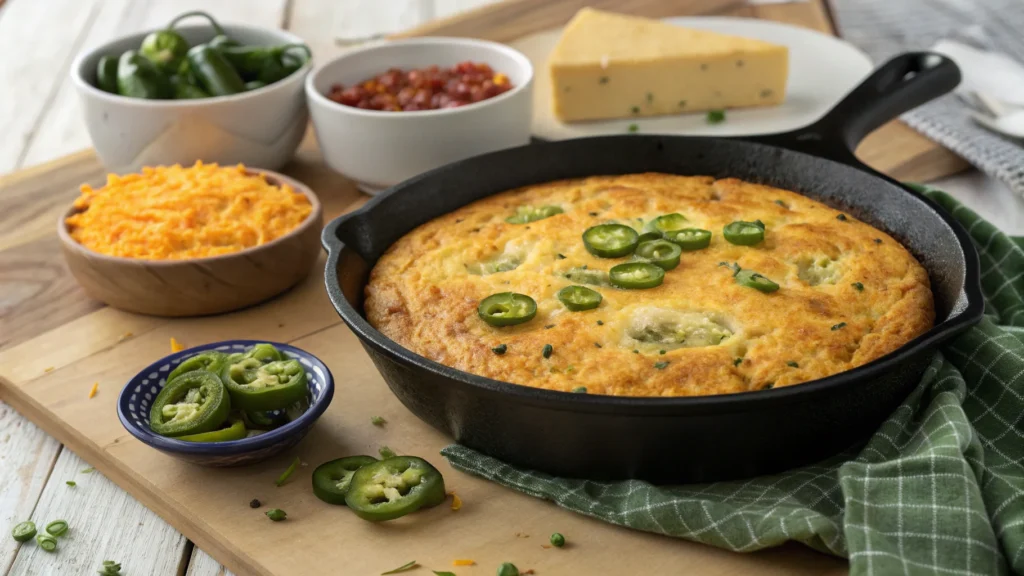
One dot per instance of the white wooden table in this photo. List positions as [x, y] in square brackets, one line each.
[40, 121]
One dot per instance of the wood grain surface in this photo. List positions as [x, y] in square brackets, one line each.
[56, 325]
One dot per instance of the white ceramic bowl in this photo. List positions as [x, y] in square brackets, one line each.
[261, 128]
[380, 149]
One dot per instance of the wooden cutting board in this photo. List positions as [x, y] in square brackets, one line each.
[55, 343]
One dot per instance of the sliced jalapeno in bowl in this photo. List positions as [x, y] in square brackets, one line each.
[754, 280]
[392, 488]
[744, 233]
[192, 403]
[331, 480]
[527, 214]
[258, 386]
[661, 253]
[690, 239]
[666, 223]
[610, 240]
[256, 420]
[235, 430]
[579, 298]
[636, 275]
[210, 361]
[507, 309]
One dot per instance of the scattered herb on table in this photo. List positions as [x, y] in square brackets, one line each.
[661, 365]
[255, 503]
[633, 128]
[386, 452]
[716, 116]
[57, 528]
[500, 349]
[557, 540]
[402, 568]
[276, 514]
[88, 470]
[110, 568]
[288, 472]
[508, 569]
[24, 531]
[47, 542]
[378, 421]
[438, 573]
[603, 80]
[71, 483]
[635, 109]
[547, 350]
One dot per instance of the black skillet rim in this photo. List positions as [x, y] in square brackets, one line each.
[971, 313]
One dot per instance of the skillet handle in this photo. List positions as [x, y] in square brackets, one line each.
[901, 84]
[333, 244]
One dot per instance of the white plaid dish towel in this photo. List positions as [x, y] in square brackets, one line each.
[883, 28]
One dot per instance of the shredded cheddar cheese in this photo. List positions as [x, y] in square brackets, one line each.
[175, 345]
[48, 369]
[94, 390]
[463, 563]
[456, 502]
[175, 213]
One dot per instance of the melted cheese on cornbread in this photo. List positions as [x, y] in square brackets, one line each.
[849, 292]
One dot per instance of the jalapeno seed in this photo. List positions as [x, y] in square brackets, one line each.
[378, 420]
[276, 514]
[744, 233]
[752, 279]
[610, 240]
[636, 276]
[386, 452]
[579, 298]
[507, 309]
[24, 531]
[661, 253]
[557, 540]
[690, 239]
[527, 214]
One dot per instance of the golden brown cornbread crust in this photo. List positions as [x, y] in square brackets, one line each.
[421, 295]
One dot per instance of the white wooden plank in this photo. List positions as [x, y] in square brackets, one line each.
[446, 8]
[38, 40]
[63, 130]
[26, 456]
[357, 21]
[106, 524]
[202, 564]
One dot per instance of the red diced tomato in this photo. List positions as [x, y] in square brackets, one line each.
[429, 88]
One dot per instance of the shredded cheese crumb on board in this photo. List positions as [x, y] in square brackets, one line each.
[176, 346]
[456, 502]
[176, 213]
[95, 388]
[464, 563]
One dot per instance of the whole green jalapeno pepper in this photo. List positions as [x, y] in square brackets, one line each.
[222, 41]
[137, 77]
[267, 64]
[106, 74]
[185, 90]
[165, 49]
[392, 488]
[213, 72]
[192, 403]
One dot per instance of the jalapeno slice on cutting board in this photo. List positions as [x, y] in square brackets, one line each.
[210, 361]
[661, 253]
[579, 298]
[610, 240]
[394, 487]
[690, 239]
[636, 275]
[235, 430]
[507, 309]
[192, 403]
[331, 480]
[258, 386]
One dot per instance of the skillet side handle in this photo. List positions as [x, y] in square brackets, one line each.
[333, 245]
[901, 84]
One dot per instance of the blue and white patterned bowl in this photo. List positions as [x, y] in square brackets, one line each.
[137, 396]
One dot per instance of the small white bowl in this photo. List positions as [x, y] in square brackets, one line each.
[261, 128]
[380, 149]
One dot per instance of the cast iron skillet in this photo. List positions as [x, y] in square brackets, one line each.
[677, 439]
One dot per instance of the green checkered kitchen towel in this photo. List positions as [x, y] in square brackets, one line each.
[939, 489]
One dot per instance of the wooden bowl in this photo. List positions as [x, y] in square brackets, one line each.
[199, 286]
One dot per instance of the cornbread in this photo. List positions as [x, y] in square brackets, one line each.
[610, 65]
[848, 294]
[175, 213]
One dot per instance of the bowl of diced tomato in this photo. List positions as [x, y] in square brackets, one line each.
[387, 112]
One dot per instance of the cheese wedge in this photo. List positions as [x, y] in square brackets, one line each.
[616, 66]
